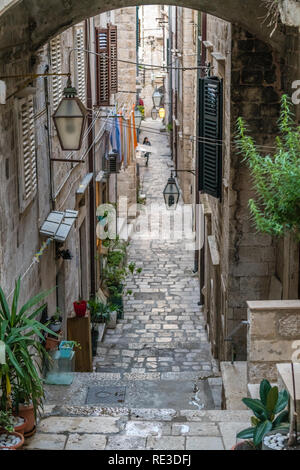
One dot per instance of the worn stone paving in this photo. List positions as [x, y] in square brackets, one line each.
[98, 428]
[155, 385]
[163, 326]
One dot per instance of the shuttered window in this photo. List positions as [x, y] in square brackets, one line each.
[56, 67]
[103, 94]
[113, 50]
[80, 64]
[107, 65]
[27, 155]
[210, 135]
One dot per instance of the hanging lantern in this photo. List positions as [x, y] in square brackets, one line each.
[154, 113]
[171, 194]
[156, 97]
[69, 119]
[162, 112]
[137, 117]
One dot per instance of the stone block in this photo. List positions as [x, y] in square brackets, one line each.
[61, 425]
[270, 350]
[166, 443]
[204, 443]
[86, 442]
[234, 384]
[263, 325]
[257, 371]
[45, 442]
[112, 323]
[195, 429]
[229, 432]
[125, 443]
[289, 325]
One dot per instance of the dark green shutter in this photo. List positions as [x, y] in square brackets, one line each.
[210, 135]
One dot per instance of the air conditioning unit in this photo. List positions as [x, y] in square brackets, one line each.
[113, 162]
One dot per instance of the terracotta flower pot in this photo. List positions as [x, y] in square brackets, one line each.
[21, 428]
[27, 412]
[80, 308]
[16, 446]
[51, 343]
[243, 445]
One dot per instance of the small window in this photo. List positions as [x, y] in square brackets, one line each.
[27, 155]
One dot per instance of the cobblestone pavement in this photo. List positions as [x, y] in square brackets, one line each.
[163, 327]
[154, 381]
[97, 428]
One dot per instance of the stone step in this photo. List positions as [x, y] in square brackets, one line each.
[89, 427]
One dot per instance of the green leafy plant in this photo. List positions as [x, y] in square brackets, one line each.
[169, 127]
[269, 413]
[7, 421]
[99, 311]
[21, 332]
[275, 177]
[70, 345]
[115, 258]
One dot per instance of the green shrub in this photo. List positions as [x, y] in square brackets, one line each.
[276, 177]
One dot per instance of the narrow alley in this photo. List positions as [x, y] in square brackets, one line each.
[162, 335]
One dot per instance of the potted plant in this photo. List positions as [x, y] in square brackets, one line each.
[80, 307]
[99, 313]
[66, 347]
[20, 376]
[9, 438]
[10, 422]
[55, 322]
[269, 414]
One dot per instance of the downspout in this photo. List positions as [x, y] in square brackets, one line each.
[202, 251]
[92, 204]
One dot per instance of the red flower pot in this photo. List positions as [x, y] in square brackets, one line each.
[80, 308]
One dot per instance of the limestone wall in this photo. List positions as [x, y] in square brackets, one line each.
[273, 337]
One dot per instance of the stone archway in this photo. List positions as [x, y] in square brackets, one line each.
[25, 25]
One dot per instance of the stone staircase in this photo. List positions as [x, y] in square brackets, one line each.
[66, 427]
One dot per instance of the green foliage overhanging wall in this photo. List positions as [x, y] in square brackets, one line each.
[276, 177]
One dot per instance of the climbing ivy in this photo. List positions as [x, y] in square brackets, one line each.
[276, 177]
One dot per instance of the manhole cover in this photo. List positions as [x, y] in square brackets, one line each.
[105, 395]
[149, 295]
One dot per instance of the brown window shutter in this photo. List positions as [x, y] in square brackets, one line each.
[103, 82]
[113, 56]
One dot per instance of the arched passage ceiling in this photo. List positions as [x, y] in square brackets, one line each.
[25, 25]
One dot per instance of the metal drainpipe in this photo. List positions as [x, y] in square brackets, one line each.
[92, 208]
[202, 251]
[47, 103]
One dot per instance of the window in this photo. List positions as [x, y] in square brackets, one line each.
[56, 67]
[27, 156]
[210, 131]
[107, 65]
[80, 64]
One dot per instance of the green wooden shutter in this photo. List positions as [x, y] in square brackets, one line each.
[210, 135]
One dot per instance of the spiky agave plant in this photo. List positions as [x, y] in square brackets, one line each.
[21, 333]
